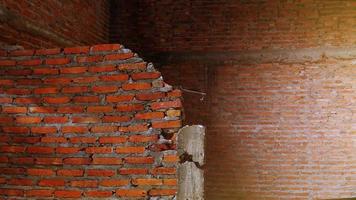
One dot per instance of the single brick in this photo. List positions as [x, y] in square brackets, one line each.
[129, 150]
[73, 70]
[145, 75]
[40, 150]
[167, 124]
[68, 193]
[139, 160]
[114, 182]
[100, 172]
[112, 139]
[150, 96]
[105, 47]
[57, 61]
[137, 86]
[107, 161]
[115, 78]
[146, 181]
[168, 104]
[131, 192]
[77, 161]
[51, 182]
[119, 56]
[119, 98]
[56, 100]
[70, 172]
[150, 115]
[40, 172]
[76, 50]
[84, 183]
[44, 130]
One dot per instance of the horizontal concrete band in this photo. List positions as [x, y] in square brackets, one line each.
[258, 56]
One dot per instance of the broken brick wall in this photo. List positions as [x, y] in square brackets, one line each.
[55, 23]
[280, 88]
[86, 122]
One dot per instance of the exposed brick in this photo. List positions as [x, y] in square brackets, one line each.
[116, 118]
[68, 193]
[48, 161]
[18, 91]
[84, 183]
[139, 160]
[111, 78]
[27, 100]
[55, 120]
[28, 52]
[86, 120]
[87, 79]
[76, 50]
[98, 150]
[150, 115]
[145, 75]
[39, 193]
[7, 62]
[48, 90]
[112, 140]
[48, 51]
[71, 109]
[129, 150]
[100, 109]
[167, 124]
[19, 72]
[133, 66]
[105, 47]
[51, 182]
[32, 62]
[162, 192]
[134, 128]
[105, 89]
[11, 192]
[29, 140]
[86, 99]
[68, 150]
[83, 140]
[12, 149]
[163, 170]
[57, 81]
[103, 129]
[53, 140]
[105, 68]
[40, 150]
[85, 59]
[45, 71]
[126, 171]
[149, 96]
[15, 129]
[14, 109]
[73, 70]
[100, 172]
[56, 100]
[143, 138]
[114, 182]
[98, 193]
[129, 107]
[44, 130]
[137, 86]
[40, 172]
[41, 109]
[107, 161]
[120, 56]
[131, 192]
[150, 181]
[75, 129]
[165, 105]
[77, 89]
[119, 98]
[57, 61]
[17, 181]
[70, 172]
[77, 161]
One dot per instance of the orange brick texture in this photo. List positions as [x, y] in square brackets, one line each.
[86, 122]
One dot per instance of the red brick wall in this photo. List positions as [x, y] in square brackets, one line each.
[78, 22]
[276, 129]
[86, 122]
[200, 25]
